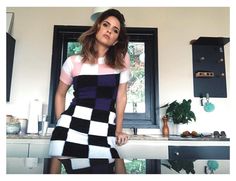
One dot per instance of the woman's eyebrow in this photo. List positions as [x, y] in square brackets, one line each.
[110, 24]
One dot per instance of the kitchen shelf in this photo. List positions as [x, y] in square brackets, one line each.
[209, 66]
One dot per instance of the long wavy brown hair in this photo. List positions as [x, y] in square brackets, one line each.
[115, 54]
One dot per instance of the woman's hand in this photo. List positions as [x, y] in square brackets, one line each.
[121, 138]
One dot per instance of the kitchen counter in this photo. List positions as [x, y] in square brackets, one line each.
[27, 136]
[153, 146]
[147, 137]
[28, 139]
[174, 138]
[148, 146]
[29, 153]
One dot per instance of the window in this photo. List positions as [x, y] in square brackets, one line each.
[141, 110]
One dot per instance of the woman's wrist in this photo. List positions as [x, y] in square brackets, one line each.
[118, 131]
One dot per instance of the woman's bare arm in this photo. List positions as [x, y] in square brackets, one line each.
[122, 138]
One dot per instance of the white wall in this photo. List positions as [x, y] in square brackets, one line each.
[33, 31]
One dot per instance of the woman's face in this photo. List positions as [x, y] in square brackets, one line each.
[109, 31]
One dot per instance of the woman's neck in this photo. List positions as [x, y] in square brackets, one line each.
[101, 50]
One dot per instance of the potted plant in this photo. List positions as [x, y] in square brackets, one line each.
[180, 112]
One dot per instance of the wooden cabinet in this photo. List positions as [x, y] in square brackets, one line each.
[27, 156]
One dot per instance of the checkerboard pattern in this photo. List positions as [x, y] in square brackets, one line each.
[87, 128]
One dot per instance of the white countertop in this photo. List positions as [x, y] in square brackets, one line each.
[147, 146]
[149, 138]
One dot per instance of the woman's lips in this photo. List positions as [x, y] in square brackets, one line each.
[106, 36]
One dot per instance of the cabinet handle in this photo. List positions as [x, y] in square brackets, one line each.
[177, 153]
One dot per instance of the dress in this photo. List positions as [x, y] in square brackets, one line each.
[86, 129]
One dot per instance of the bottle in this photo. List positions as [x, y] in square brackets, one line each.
[165, 128]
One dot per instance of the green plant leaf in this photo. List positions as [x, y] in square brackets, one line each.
[181, 112]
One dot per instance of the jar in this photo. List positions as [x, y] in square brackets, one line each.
[13, 128]
[23, 125]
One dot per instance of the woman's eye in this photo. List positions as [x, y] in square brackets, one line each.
[116, 31]
[105, 24]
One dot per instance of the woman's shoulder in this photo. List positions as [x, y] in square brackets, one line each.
[75, 58]
[127, 58]
[126, 61]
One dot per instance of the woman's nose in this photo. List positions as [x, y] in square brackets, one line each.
[108, 31]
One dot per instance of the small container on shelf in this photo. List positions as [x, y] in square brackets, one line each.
[12, 125]
[13, 128]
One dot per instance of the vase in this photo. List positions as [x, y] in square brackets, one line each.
[165, 127]
[174, 129]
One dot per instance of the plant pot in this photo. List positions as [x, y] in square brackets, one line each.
[174, 128]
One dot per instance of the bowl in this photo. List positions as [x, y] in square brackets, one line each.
[13, 128]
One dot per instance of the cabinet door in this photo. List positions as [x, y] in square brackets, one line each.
[17, 149]
[39, 150]
[25, 166]
[199, 152]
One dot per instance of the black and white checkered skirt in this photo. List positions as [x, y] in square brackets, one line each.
[79, 133]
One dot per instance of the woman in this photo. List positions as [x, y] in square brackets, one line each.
[85, 137]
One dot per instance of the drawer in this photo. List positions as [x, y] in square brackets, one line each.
[17, 150]
[143, 150]
[25, 166]
[39, 150]
[199, 152]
